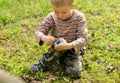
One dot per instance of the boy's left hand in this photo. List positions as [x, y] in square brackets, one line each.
[63, 45]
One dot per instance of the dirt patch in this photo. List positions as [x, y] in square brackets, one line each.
[48, 77]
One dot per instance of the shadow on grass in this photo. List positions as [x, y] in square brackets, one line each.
[53, 74]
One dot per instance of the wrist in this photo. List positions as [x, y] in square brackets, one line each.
[70, 45]
[42, 37]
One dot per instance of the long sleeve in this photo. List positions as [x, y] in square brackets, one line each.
[81, 33]
[44, 28]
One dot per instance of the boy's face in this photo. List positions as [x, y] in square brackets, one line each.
[63, 12]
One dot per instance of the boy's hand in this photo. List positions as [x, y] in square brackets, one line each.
[49, 40]
[63, 45]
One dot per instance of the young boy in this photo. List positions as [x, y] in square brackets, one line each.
[68, 27]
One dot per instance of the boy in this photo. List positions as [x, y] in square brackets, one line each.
[69, 28]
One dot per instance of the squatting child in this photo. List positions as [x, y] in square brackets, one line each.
[69, 26]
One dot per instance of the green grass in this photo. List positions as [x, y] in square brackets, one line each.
[19, 20]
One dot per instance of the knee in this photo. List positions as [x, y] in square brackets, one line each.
[74, 73]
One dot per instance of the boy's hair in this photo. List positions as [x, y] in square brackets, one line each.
[61, 2]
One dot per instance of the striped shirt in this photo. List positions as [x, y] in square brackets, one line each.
[73, 29]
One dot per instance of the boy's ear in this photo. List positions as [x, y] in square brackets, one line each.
[73, 5]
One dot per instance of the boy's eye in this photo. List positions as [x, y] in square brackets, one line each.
[56, 12]
[64, 12]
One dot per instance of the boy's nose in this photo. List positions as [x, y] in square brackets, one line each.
[58, 15]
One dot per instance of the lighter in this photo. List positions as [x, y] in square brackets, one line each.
[58, 42]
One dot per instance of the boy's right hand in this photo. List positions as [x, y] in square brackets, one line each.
[49, 40]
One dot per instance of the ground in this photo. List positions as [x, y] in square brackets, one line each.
[19, 20]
